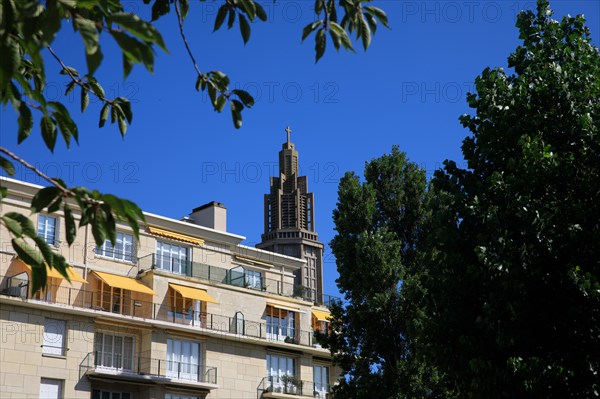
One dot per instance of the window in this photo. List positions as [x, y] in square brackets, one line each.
[171, 257]
[54, 337]
[114, 351]
[98, 394]
[281, 324]
[252, 279]
[183, 360]
[47, 229]
[321, 381]
[281, 374]
[186, 308]
[123, 249]
[51, 389]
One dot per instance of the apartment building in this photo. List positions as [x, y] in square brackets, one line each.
[185, 312]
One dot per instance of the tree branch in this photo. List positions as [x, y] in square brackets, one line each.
[180, 22]
[80, 82]
[17, 158]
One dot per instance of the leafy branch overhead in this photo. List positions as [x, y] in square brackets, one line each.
[28, 29]
[357, 17]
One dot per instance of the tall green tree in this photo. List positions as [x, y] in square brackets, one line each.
[513, 273]
[29, 28]
[379, 225]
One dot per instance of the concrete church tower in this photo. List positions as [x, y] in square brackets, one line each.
[290, 222]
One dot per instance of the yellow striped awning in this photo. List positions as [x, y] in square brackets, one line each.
[73, 275]
[193, 293]
[321, 316]
[123, 282]
[175, 236]
[258, 262]
[285, 307]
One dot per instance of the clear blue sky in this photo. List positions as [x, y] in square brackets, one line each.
[408, 89]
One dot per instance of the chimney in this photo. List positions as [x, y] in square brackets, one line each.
[212, 215]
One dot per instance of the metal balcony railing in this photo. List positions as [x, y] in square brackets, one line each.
[126, 306]
[235, 278]
[126, 367]
[290, 385]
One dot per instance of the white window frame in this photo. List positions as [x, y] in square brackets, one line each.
[279, 328]
[55, 337]
[120, 251]
[184, 359]
[107, 351]
[172, 257]
[253, 279]
[43, 229]
[279, 365]
[46, 382]
[321, 380]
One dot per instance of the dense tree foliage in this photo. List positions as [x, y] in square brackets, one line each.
[488, 285]
[514, 289]
[379, 224]
[28, 28]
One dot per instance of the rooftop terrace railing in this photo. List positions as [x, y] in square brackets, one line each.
[124, 305]
[234, 277]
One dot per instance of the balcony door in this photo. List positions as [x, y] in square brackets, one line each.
[183, 360]
[281, 374]
[114, 351]
[321, 381]
[281, 324]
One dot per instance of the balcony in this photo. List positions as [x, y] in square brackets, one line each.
[234, 277]
[287, 386]
[148, 370]
[104, 302]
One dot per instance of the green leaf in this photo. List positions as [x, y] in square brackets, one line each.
[122, 126]
[231, 19]
[126, 107]
[236, 113]
[337, 41]
[244, 28]
[12, 225]
[343, 35]
[308, 29]
[44, 197]
[90, 37]
[378, 13]
[7, 166]
[66, 124]
[220, 103]
[185, 8]
[103, 114]
[25, 122]
[249, 8]
[55, 206]
[48, 132]
[138, 28]
[33, 258]
[320, 43]
[220, 17]
[70, 229]
[160, 8]
[96, 88]
[85, 99]
[246, 98]
[365, 32]
[260, 11]
[27, 226]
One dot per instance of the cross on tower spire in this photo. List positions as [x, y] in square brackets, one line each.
[288, 131]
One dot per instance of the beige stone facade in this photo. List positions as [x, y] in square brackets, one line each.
[184, 312]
